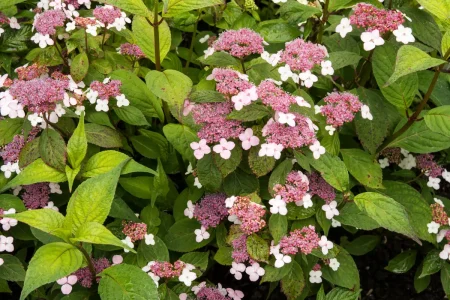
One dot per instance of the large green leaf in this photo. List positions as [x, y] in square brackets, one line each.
[8, 129]
[50, 263]
[257, 248]
[181, 236]
[156, 252]
[52, 149]
[439, 8]
[438, 120]
[432, 263]
[79, 66]
[176, 7]
[403, 262]
[293, 283]
[45, 219]
[363, 167]
[11, 269]
[277, 31]
[347, 275]
[136, 7]
[240, 183]
[332, 169]
[77, 145]
[342, 59]
[131, 115]
[208, 173]
[102, 136]
[445, 278]
[441, 92]
[181, 136]
[351, 215]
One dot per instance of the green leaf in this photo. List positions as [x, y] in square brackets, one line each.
[351, 215]
[145, 37]
[277, 31]
[11, 269]
[102, 136]
[321, 294]
[160, 183]
[293, 283]
[276, 274]
[362, 244]
[279, 174]
[131, 115]
[342, 294]
[441, 92]
[260, 165]
[432, 263]
[226, 166]
[294, 12]
[45, 219]
[140, 187]
[341, 59]
[146, 146]
[445, 278]
[410, 60]
[136, 7]
[92, 199]
[156, 252]
[36, 172]
[206, 96]
[219, 59]
[77, 145]
[257, 248]
[52, 149]
[338, 4]
[198, 259]
[438, 120]
[400, 93]
[363, 167]
[126, 282]
[347, 275]
[120, 210]
[79, 66]
[223, 256]
[95, 233]
[445, 44]
[240, 183]
[176, 7]
[249, 113]
[403, 262]
[29, 153]
[278, 226]
[8, 201]
[208, 173]
[420, 139]
[420, 284]
[50, 263]
[138, 94]
[181, 136]
[439, 8]
[181, 237]
[424, 27]
[386, 212]
[171, 86]
[8, 129]
[332, 169]
[299, 212]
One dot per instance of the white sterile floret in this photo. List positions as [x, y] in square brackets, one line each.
[122, 100]
[201, 234]
[433, 183]
[35, 119]
[334, 264]
[197, 183]
[302, 102]
[127, 241]
[330, 210]
[196, 288]
[70, 26]
[189, 170]
[13, 23]
[6, 222]
[445, 253]
[51, 205]
[308, 78]
[42, 40]
[278, 206]
[365, 112]
[441, 235]
[279, 1]
[92, 29]
[237, 269]
[288, 118]
[229, 202]
[446, 175]
[149, 239]
[69, 101]
[384, 162]
[92, 96]
[200, 148]
[224, 148]
[433, 227]
[317, 149]
[371, 39]
[204, 39]
[317, 109]
[315, 276]
[306, 201]
[208, 52]
[79, 109]
[271, 59]
[408, 162]
[255, 271]
[271, 150]
[59, 110]
[285, 72]
[244, 98]
[404, 35]
[66, 283]
[330, 129]
[335, 223]
[102, 105]
[6, 243]
[439, 201]
[344, 27]
[248, 139]
[3, 78]
[189, 211]
[187, 276]
[327, 68]
[10, 168]
[325, 244]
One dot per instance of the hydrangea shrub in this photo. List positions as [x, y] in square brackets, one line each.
[144, 143]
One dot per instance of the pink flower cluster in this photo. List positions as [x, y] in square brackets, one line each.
[47, 22]
[240, 253]
[340, 108]
[240, 43]
[107, 14]
[295, 188]
[131, 50]
[84, 275]
[211, 210]
[394, 155]
[318, 186]
[302, 56]
[164, 269]
[210, 293]
[10, 153]
[372, 18]
[107, 90]
[249, 213]
[36, 195]
[84, 22]
[426, 163]
[3, 18]
[302, 134]
[135, 231]
[439, 214]
[273, 96]
[39, 95]
[75, 3]
[31, 72]
[303, 240]
[229, 82]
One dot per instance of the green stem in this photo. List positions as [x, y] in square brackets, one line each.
[88, 260]
[103, 40]
[86, 42]
[369, 58]
[59, 51]
[243, 67]
[324, 20]
[191, 48]
[156, 37]
[421, 106]
[390, 4]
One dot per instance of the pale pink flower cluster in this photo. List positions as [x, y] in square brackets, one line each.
[318, 186]
[164, 269]
[31, 72]
[131, 50]
[106, 90]
[240, 253]
[340, 108]
[47, 21]
[107, 14]
[273, 96]
[211, 210]
[250, 214]
[295, 189]
[229, 82]
[304, 240]
[84, 275]
[135, 231]
[426, 163]
[240, 43]
[439, 214]
[36, 195]
[302, 56]
[372, 18]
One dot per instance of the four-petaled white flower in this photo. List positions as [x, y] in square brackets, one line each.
[271, 150]
[335, 223]
[3, 78]
[6, 243]
[445, 253]
[189, 170]
[439, 201]
[327, 68]
[229, 202]
[244, 98]
[127, 241]
[204, 39]
[70, 26]
[255, 271]
[66, 284]
[408, 162]
[330, 210]
[197, 183]
[35, 119]
[433, 182]
[92, 96]
[315, 276]
[51, 205]
[446, 175]
[13, 23]
[122, 100]
[201, 234]
[200, 148]
[433, 227]
[6, 222]
[224, 148]
[71, 11]
[271, 59]
[248, 139]
[149, 239]
[237, 269]
[404, 35]
[189, 211]
[10, 168]
[330, 129]
[302, 102]
[384, 162]
[325, 244]
[196, 288]
[308, 78]
[54, 188]
[441, 235]
[42, 40]
[208, 52]
[235, 294]
[317, 149]
[59, 110]
[69, 101]
[286, 118]
[285, 72]
[278, 206]
[92, 29]
[334, 264]
[344, 27]
[79, 109]
[102, 105]
[187, 276]
[365, 112]
[371, 39]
